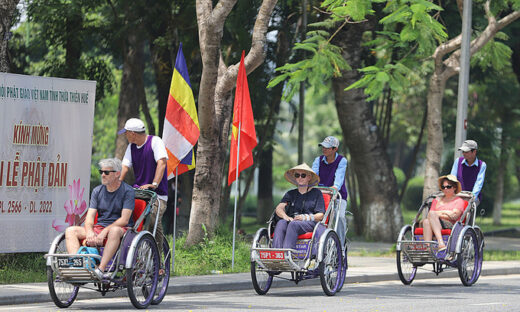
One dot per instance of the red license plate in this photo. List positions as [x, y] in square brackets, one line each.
[271, 255]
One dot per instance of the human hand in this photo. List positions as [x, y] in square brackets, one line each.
[288, 219]
[100, 238]
[147, 186]
[91, 238]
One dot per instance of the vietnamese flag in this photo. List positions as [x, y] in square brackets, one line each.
[243, 120]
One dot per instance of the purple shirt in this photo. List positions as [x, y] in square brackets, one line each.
[327, 174]
[144, 164]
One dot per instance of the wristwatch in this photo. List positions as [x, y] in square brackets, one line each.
[154, 184]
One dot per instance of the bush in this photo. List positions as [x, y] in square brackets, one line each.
[412, 198]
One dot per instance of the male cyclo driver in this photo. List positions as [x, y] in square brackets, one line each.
[113, 201]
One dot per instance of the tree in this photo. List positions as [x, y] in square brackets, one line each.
[446, 59]
[7, 9]
[379, 216]
[215, 106]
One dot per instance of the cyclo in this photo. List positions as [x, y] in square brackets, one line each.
[135, 265]
[465, 245]
[315, 255]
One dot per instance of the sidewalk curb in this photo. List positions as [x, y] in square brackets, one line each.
[229, 282]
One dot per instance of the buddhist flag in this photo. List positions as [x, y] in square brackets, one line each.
[181, 123]
[243, 120]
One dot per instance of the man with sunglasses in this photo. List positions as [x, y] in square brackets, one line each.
[469, 170]
[331, 167]
[113, 202]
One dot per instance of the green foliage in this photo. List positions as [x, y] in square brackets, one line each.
[326, 62]
[412, 198]
[399, 176]
[494, 55]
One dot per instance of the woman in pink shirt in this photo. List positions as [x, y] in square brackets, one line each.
[445, 210]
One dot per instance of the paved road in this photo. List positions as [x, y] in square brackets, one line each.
[490, 293]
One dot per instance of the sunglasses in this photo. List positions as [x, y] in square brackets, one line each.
[446, 187]
[297, 175]
[107, 172]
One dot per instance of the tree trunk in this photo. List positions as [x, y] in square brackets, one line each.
[7, 8]
[377, 183]
[434, 145]
[499, 186]
[215, 107]
[72, 45]
[132, 86]
[265, 204]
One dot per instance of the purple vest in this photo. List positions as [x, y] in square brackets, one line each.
[328, 173]
[467, 175]
[144, 165]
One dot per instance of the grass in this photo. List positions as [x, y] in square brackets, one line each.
[212, 255]
[22, 268]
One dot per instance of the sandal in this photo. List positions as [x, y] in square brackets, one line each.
[441, 248]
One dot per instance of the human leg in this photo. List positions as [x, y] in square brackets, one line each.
[341, 228]
[113, 239]
[159, 205]
[294, 229]
[73, 235]
[279, 233]
[427, 230]
[436, 228]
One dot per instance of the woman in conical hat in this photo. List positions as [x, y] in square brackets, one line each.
[300, 209]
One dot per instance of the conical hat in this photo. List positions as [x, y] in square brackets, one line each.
[289, 175]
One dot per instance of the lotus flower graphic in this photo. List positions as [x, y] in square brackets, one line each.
[75, 208]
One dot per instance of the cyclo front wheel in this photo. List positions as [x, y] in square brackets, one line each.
[405, 269]
[261, 279]
[142, 278]
[62, 293]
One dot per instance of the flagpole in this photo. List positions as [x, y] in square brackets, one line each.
[236, 197]
[175, 217]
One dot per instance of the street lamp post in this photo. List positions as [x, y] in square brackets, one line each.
[462, 99]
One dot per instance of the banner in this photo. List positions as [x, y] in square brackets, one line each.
[46, 138]
[243, 120]
[181, 123]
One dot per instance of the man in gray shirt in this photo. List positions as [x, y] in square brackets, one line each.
[113, 202]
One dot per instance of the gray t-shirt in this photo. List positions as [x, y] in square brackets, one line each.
[109, 205]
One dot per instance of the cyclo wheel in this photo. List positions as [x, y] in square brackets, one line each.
[142, 278]
[262, 280]
[468, 259]
[164, 279]
[330, 267]
[405, 269]
[62, 293]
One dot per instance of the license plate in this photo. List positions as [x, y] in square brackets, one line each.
[65, 262]
[272, 255]
[420, 247]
